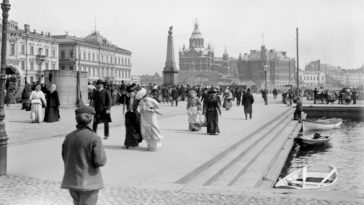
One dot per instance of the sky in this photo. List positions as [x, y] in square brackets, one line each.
[329, 30]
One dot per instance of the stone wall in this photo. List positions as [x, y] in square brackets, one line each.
[66, 82]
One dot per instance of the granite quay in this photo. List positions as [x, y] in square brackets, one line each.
[137, 176]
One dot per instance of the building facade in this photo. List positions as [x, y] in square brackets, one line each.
[337, 77]
[30, 51]
[95, 55]
[272, 66]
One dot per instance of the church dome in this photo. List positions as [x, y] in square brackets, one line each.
[196, 34]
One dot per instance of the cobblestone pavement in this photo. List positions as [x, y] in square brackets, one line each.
[15, 190]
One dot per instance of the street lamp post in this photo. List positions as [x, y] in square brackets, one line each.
[265, 90]
[5, 6]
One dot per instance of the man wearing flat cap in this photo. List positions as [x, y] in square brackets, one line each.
[102, 104]
[83, 155]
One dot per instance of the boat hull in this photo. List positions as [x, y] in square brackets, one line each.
[310, 177]
[321, 124]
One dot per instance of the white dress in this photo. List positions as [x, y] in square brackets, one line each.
[149, 123]
[36, 99]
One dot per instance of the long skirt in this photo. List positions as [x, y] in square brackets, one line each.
[212, 123]
[36, 113]
[194, 123]
[150, 130]
[133, 134]
[51, 114]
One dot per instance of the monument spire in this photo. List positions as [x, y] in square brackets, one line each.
[170, 70]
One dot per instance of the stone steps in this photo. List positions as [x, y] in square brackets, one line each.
[229, 165]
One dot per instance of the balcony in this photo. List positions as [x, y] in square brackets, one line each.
[41, 57]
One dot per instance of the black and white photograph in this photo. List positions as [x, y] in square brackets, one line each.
[192, 102]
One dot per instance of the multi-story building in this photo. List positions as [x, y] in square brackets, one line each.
[96, 55]
[31, 52]
[336, 77]
[312, 79]
[273, 66]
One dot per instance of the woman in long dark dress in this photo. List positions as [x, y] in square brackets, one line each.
[52, 109]
[212, 111]
[132, 119]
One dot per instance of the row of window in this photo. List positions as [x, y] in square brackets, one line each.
[95, 58]
[32, 66]
[104, 72]
[311, 78]
[31, 50]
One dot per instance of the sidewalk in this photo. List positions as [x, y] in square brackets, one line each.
[35, 167]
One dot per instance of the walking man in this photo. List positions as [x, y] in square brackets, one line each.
[83, 155]
[247, 102]
[102, 105]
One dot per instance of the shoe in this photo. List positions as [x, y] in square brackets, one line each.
[106, 137]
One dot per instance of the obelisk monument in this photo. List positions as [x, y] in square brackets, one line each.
[170, 70]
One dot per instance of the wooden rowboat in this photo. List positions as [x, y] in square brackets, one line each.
[321, 124]
[313, 140]
[309, 177]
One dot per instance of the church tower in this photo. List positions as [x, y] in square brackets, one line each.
[196, 40]
[170, 70]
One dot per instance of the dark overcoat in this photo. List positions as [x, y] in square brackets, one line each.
[102, 102]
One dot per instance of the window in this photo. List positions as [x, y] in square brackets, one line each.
[39, 66]
[31, 50]
[23, 65]
[47, 52]
[22, 49]
[62, 54]
[12, 49]
[71, 54]
[53, 53]
[53, 66]
[84, 55]
[39, 51]
[89, 56]
[62, 67]
[71, 67]
[31, 65]
[93, 57]
[47, 66]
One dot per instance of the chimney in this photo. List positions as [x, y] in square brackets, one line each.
[35, 31]
[26, 28]
[284, 53]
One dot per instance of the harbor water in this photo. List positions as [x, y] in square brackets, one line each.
[345, 151]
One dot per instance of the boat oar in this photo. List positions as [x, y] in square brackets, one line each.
[304, 172]
[327, 177]
[322, 118]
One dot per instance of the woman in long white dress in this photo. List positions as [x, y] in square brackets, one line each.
[148, 109]
[36, 100]
[193, 111]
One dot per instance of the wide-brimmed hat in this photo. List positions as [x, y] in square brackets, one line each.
[142, 92]
[131, 87]
[99, 81]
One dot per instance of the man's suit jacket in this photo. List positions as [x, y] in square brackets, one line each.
[102, 102]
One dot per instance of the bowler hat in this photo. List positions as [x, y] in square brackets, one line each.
[99, 81]
[85, 109]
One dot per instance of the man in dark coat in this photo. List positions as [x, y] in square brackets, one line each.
[83, 155]
[315, 92]
[247, 102]
[102, 104]
[174, 95]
